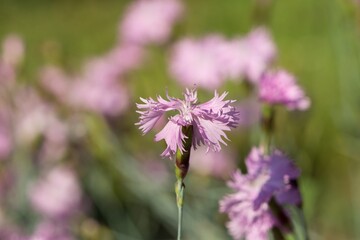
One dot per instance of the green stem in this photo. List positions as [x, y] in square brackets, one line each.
[304, 225]
[267, 125]
[262, 11]
[179, 189]
[182, 164]
[277, 234]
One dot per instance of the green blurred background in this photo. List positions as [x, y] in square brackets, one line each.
[318, 40]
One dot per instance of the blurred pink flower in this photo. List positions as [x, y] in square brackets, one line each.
[261, 42]
[105, 98]
[280, 87]
[13, 50]
[209, 120]
[54, 80]
[55, 142]
[249, 56]
[99, 87]
[126, 57]
[218, 164]
[35, 119]
[51, 231]
[209, 61]
[57, 195]
[199, 62]
[11, 233]
[5, 143]
[33, 116]
[7, 75]
[150, 21]
[113, 65]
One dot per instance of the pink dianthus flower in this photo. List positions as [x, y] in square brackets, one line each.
[248, 208]
[209, 120]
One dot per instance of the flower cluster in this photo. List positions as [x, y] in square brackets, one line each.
[209, 120]
[218, 59]
[248, 208]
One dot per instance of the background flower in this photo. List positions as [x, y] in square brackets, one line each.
[57, 195]
[280, 87]
[150, 21]
[245, 220]
[198, 62]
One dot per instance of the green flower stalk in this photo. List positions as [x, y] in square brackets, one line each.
[195, 124]
[262, 11]
[182, 164]
[267, 127]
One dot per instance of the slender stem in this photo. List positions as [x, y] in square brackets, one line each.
[262, 11]
[182, 164]
[267, 124]
[277, 234]
[179, 189]
[304, 225]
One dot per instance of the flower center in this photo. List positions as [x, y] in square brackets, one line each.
[186, 113]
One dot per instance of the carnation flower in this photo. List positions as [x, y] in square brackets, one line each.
[248, 208]
[209, 120]
[279, 87]
[279, 171]
[150, 21]
[245, 221]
